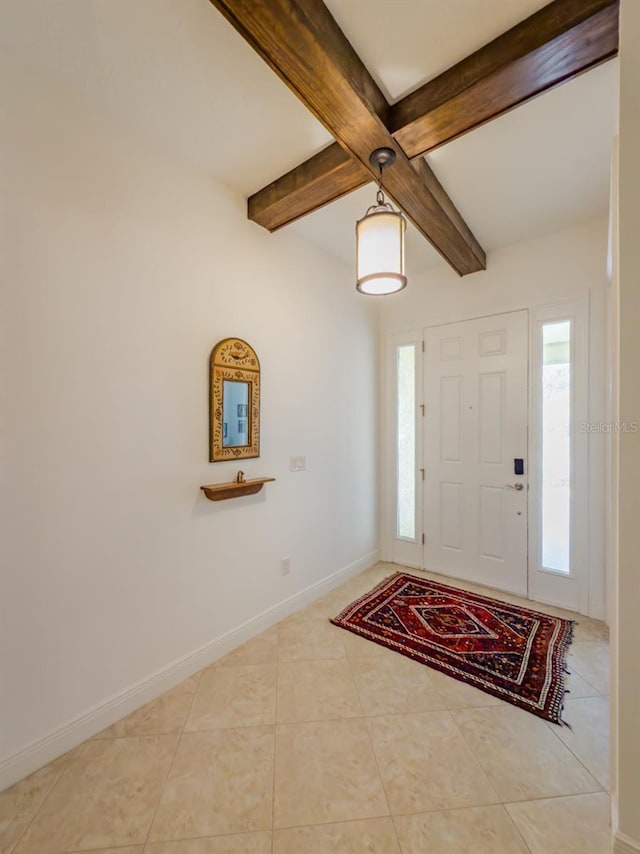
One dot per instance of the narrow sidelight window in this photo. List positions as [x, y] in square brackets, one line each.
[557, 446]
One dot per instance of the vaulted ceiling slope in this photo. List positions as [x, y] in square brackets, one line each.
[176, 71]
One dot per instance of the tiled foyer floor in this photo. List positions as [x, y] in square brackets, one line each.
[311, 740]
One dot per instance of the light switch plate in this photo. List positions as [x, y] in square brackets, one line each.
[297, 463]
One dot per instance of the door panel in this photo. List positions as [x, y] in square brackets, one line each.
[491, 417]
[491, 516]
[451, 391]
[451, 515]
[475, 425]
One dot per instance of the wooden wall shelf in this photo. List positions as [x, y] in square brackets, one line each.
[234, 489]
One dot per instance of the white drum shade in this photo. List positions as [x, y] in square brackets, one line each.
[380, 252]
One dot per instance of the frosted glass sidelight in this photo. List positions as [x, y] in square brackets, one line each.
[406, 437]
[556, 446]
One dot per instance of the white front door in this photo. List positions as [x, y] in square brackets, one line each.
[475, 440]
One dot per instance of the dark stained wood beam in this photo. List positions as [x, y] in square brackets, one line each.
[304, 45]
[326, 176]
[554, 45]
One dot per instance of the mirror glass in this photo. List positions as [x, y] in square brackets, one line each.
[235, 427]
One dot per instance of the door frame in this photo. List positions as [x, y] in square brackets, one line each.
[593, 537]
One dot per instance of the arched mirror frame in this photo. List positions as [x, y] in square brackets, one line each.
[233, 360]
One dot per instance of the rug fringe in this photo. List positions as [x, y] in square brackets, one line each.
[565, 670]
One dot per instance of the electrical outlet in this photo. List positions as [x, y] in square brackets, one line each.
[285, 566]
[297, 463]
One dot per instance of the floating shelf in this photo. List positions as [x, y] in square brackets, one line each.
[234, 489]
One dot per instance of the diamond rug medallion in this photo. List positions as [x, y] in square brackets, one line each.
[506, 650]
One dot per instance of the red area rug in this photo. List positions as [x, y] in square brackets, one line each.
[508, 651]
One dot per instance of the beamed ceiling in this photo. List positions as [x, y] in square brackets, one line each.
[491, 148]
[303, 44]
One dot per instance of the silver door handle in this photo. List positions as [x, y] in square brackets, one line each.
[518, 486]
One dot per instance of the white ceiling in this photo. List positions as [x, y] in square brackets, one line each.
[403, 43]
[176, 72]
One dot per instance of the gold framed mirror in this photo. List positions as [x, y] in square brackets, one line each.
[234, 401]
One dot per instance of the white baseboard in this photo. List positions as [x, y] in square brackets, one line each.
[623, 844]
[597, 611]
[93, 720]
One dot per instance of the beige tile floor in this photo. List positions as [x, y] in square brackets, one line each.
[311, 740]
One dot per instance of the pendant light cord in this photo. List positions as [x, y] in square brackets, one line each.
[380, 194]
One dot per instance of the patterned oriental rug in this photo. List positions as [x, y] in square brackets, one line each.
[508, 651]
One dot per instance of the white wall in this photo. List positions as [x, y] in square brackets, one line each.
[559, 265]
[552, 268]
[122, 269]
[626, 776]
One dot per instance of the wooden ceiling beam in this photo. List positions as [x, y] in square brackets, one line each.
[304, 45]
[326, 176]
[554, 45]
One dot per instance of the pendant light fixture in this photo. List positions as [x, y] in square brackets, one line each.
[380, 240]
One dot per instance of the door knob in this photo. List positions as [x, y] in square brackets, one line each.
[518, 486]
